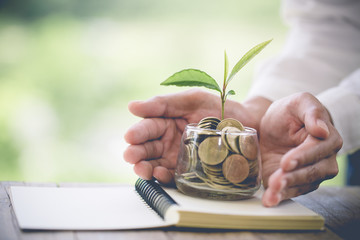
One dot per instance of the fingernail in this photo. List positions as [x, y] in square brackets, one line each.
[292, 165]
[323, 125]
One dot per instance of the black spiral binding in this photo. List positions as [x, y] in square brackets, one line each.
[154, 196]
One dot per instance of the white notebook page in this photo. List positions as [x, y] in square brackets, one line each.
[82, 208]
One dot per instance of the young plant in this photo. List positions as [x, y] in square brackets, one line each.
[197, 78]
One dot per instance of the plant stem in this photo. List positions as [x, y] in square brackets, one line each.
[223, 100]
[222, 108]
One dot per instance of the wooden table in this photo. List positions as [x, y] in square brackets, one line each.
[340, 206]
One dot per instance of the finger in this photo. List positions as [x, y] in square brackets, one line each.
[149, 150]
[271, 198]
[144, 169]
[310, 151]
[149, 169]
[146, 130]
[276, 184]
[164, 175]
[314, 115]
[315, 173]
[298, 190]
[285, 185]
[277, 181]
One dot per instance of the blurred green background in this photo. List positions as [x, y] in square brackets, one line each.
[68, 69]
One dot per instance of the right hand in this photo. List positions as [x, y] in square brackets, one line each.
[155, 140]
[298, 144]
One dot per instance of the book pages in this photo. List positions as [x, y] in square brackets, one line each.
[249, 207]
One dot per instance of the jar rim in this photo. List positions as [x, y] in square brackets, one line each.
[194, 127]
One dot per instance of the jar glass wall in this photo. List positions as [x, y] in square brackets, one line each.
[218, 164]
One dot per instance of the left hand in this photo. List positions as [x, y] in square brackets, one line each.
[155, 141]
[299, 144]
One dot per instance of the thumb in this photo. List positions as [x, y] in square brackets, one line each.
[154, 107]
[321, 130]
[169, 105]
[316, 120]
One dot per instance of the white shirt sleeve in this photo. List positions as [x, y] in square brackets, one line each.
[321, 56]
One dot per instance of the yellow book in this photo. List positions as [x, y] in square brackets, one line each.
[149, 205]
[185, 211]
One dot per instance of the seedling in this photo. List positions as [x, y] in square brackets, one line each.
[197, 78]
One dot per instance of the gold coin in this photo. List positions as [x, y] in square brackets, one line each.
[211, 151]
[197, 137]
[254, 169]
[209, 123]
[212, 168]
[193, 157]
[230, 122]
[235, 168]
[206, 133]
[209, 119]
[248, 146]
[231, 138]
[224, 138]
[247, 183]
[184, 159]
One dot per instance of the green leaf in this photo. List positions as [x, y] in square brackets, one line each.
[231, 92]
[246, 58]
[226, 68]
[192, 78]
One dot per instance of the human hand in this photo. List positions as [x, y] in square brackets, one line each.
[155, 140]
[299, 144]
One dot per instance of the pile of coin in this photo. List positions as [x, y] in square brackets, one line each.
[222, 159]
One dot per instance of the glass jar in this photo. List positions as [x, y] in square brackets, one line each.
[218, 164]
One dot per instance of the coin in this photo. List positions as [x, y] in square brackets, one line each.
[185, 157]
[193, 157]
[212, 168]
[206, 133]
[209, 119]
[253, 169]
[209, 123]
[230, 122]
[219, 156]
[235, 168]
[230, 138]
[248, 146]
[211, 151]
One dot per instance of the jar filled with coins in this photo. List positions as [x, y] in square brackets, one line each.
[218, 160]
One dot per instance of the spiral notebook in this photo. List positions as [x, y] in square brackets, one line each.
[149, 205]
